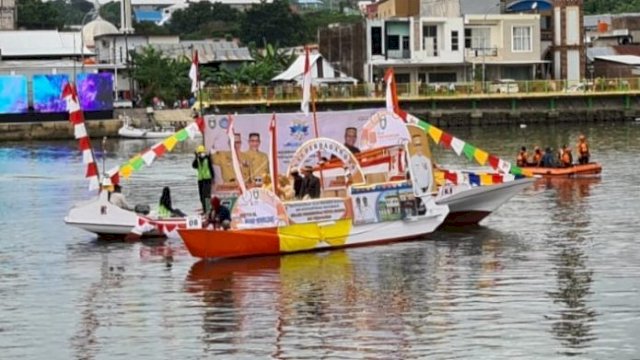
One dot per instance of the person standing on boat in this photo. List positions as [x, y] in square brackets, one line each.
[583, 150]
[202, 164]
[258, 161]
[297, 183]
[117, 198]
[310, 184]
[421, 168]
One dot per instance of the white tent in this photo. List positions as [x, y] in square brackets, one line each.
[321, 71]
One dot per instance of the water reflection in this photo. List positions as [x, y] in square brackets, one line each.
[572, 324]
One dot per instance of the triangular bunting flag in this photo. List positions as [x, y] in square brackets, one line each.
[182, 135]
[497, 178]
[494, 162]
[76, 117]
[474, 180]
[504, 166]
[457, 145]
[170, 142]
[481, 156]
[92, 170]
[445, 140]
[435, 134]
[126, 171]
[137, 163]
[87, 156]
[148, 157]
[486, 179]
[469, 151]
[192, 130]
[159, 149]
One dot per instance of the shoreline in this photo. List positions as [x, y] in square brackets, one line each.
[444, 111]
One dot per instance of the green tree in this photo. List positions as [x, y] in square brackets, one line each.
[149, 28]
[35, 14]
[111, 12]
[161, 76]
[272, 23]
[204, 20]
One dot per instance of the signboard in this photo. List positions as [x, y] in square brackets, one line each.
[317, 211]
[257, 208]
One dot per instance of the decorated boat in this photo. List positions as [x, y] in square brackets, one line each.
[576, 170]
[364, 210]
[98, 215]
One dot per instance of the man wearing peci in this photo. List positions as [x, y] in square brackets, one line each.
[224, 160]
[350, 139]
[258, 161]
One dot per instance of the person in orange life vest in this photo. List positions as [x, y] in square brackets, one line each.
[537, 157]
[567, 159]
[583, 150]
[523, 158]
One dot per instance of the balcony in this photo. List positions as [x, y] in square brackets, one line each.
[480, 52]
[398, 54]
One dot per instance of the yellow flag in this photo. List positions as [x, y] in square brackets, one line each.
[486, 179]
[481, 156]
[170, 142]
[435, 134]
[126, 171]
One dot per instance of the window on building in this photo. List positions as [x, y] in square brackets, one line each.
[393, 42]
[430, 39]
[376, 40]
[521, 39]
[405, 43]
[454, 41]
[467, 38]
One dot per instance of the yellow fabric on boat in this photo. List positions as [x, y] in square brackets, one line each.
[300, 237]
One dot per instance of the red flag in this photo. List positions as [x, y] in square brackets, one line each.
[497, 178]
[445, 140]
[83, 143]
[391, 95]
[115, 178]
[200, 123]
[159, 150]
[451, 176]
[494, 161]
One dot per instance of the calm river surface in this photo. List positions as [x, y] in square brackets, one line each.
[555, 273]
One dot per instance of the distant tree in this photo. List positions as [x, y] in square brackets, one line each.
[319, 19]
[272, 23]
[593, 7]
[111, 12]
[205, 20]
[149, 28]
[161, 76]
[35, 14]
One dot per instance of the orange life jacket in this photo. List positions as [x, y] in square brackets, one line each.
[583, 148]
[567, 158]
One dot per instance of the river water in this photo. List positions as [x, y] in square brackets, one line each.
[555, 273]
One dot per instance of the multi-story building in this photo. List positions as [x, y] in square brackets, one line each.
[503, 46]
[8, 14]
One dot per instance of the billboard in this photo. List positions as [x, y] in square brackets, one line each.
[95, 91]
[13, 95]
[47, 93]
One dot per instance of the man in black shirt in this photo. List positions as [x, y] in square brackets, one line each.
[350, 139]
[310, 184]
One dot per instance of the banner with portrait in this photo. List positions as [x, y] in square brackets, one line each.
[293, 129]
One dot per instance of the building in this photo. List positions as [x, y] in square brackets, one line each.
[503, 46]
[616, 66]
[8, 14]
[569, 58]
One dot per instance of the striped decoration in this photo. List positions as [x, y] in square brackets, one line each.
[148, 156]
[76, 118]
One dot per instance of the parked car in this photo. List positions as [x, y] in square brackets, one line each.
[504, 86]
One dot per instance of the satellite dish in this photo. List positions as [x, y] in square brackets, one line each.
[534, 5]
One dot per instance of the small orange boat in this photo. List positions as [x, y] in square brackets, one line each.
[589, 169]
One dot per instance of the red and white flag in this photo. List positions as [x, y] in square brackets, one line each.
[273, 154]
[193, 73]
[306, 84]
[391, 95]
[76, 118]
[234, 157]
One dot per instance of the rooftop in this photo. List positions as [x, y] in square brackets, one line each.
[40, 43]
[208, 50]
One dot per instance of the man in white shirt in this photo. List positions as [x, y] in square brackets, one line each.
[421, 168]
[117, 198]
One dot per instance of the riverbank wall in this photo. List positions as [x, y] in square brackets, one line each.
[443, 111]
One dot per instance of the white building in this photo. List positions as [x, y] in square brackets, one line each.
[8, 14]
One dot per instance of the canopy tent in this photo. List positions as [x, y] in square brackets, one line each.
[321, 72]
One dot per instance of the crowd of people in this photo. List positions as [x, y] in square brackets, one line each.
[562, 158]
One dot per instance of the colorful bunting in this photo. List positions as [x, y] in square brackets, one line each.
[468, 150]
[481, 156]
[435, 134]
[182, 135]
[457, 145]
[170, 142]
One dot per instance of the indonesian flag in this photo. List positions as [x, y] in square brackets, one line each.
[391, 95]
[234, 156]
[193, 73]
[306, 84]
[273, 154]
